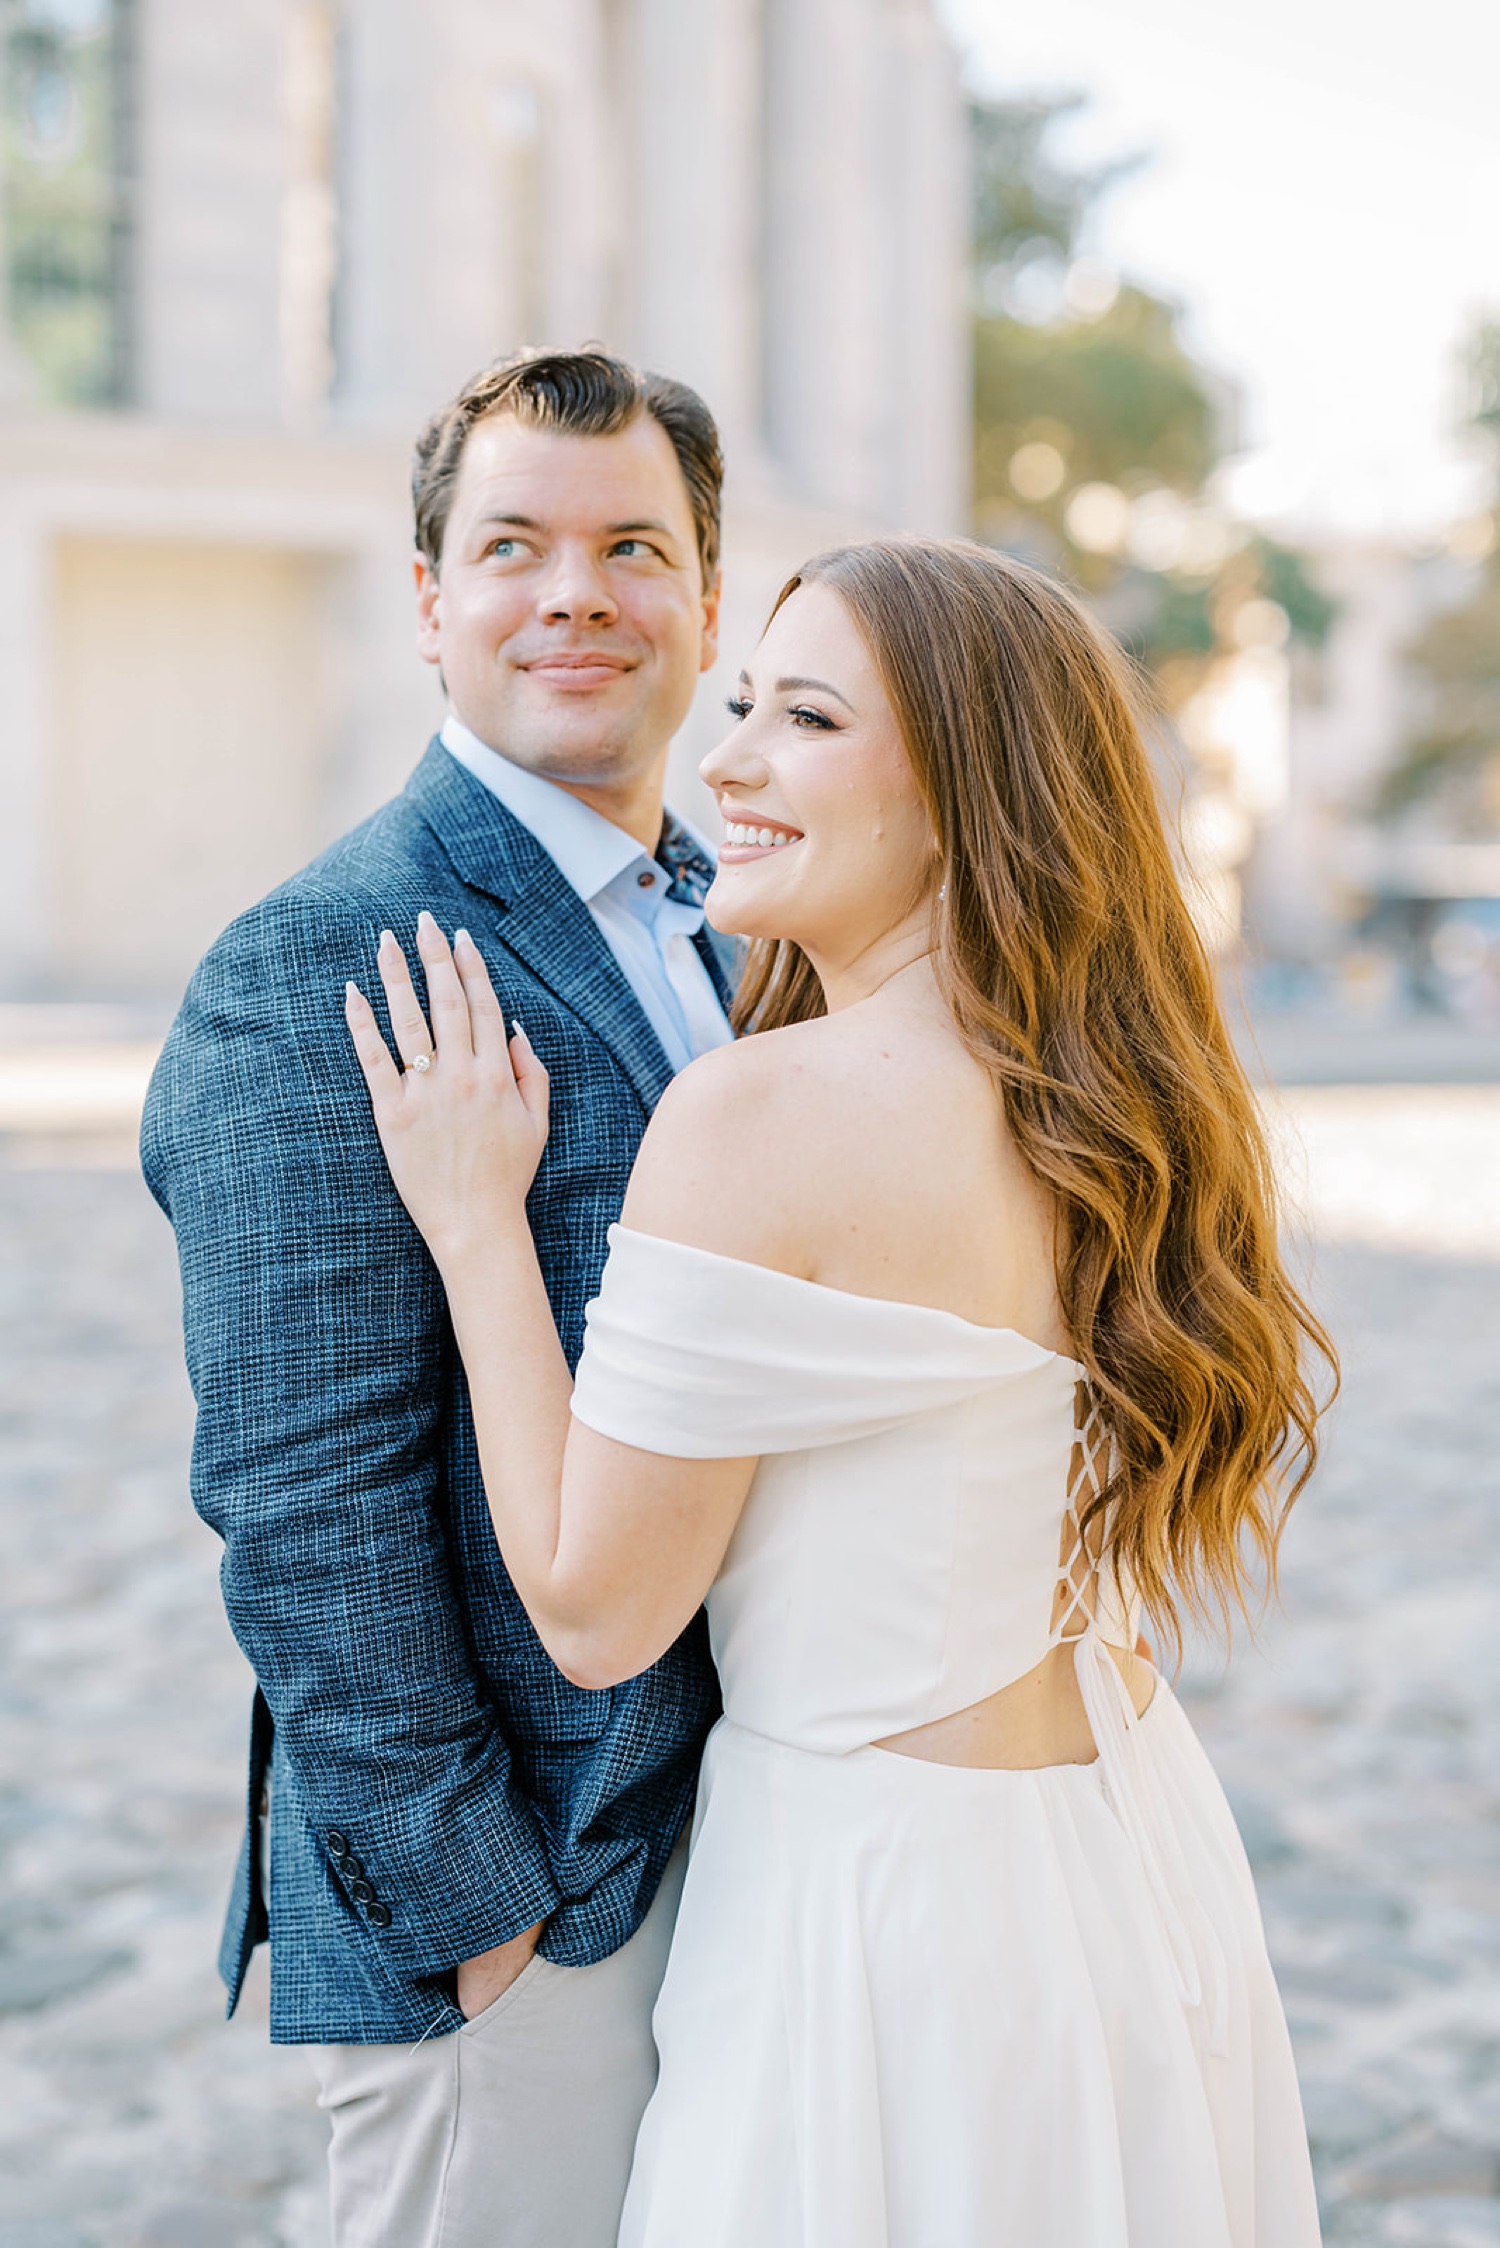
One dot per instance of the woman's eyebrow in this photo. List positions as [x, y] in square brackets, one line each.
[818, 686]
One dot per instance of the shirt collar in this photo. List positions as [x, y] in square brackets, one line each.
[588, 850]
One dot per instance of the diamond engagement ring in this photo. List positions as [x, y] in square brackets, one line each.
[421, 1063]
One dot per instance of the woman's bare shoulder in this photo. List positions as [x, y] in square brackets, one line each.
[759, 1078]
[741, 1156]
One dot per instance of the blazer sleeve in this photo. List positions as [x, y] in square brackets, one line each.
[318, 1347]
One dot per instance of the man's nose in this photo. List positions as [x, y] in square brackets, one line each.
[576, 590]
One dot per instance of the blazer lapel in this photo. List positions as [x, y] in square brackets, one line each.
[542, 918]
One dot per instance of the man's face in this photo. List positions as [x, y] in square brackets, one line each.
[569, 615]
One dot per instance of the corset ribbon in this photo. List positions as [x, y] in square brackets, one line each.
[1134, 1786]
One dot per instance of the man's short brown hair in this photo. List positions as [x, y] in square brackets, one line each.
[589, 394]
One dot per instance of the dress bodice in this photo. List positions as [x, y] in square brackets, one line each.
[898, 1554]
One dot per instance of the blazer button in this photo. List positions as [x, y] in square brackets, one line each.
[379, 1914]
[351, 1869]
[361, 1892]
[337, 1843]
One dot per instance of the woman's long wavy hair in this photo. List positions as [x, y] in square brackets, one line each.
[1076, 976]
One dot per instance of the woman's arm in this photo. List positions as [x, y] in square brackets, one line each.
[611, 1549]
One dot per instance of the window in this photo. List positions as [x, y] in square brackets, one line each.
[66, 174]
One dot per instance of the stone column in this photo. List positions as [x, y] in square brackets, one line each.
[210, 143]
[864, 230]
[922, 197]
[475, 185]
[309, 208]
[694, 71]
[819, 256]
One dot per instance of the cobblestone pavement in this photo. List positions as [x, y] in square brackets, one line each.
[1358, 1738]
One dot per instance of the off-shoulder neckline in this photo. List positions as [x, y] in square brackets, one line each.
[850, 1295]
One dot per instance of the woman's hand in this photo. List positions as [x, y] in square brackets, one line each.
[463, 1122]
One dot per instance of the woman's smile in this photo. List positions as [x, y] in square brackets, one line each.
[752, 836]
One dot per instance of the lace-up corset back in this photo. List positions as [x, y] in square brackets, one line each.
[910, 1543]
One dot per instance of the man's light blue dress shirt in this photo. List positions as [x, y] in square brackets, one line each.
[624, 888]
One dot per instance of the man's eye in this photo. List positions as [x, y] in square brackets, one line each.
[737, 706]
[504, 549]
[633, 547]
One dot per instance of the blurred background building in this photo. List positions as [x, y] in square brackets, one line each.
[1381, 856]
[249, 246]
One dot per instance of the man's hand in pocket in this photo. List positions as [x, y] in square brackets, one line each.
[484, 1979]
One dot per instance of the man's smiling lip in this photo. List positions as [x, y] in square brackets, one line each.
[585, 669]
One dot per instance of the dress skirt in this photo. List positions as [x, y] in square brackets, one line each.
[916, 2005]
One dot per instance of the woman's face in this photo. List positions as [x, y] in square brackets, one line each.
[827, 841]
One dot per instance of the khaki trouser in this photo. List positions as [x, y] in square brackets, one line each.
[517, 2130]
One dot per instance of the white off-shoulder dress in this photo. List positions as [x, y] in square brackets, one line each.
[916, 2005]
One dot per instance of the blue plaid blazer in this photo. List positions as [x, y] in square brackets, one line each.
[437, 1784]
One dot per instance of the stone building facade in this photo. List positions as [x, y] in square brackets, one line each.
[249, 246]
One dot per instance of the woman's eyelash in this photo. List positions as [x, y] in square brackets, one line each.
[739, 706]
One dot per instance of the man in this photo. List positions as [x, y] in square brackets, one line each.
[471, 1862]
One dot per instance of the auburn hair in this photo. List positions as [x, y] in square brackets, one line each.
[1076, 976]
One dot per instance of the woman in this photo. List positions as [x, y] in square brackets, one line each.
[944, 1331]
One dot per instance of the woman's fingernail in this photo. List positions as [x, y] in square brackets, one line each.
[461, 936]
[351, 991]
[519, 1032]
[425, 920]
[387, 936]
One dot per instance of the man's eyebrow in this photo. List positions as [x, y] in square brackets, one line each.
[611, 530]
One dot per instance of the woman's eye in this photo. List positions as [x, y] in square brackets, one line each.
[802, 715]
[737, 706]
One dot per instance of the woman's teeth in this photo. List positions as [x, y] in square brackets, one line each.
[768, 838]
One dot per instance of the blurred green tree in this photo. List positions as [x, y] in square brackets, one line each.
[1095, 430]
[1452, 756]
[1484, 379]
[1116, 395]
[1026, 205]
